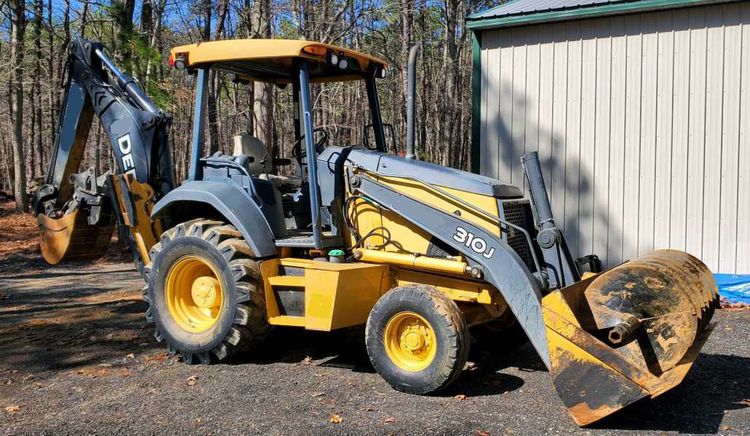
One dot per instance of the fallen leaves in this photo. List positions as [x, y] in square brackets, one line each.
[389, 420]
[745, 402]
[94, 372]
[335, 419]
[12, 409]
[460, 397]
[156, 357]
[192, 380]
[307, 360]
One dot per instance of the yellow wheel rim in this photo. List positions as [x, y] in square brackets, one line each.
[410, 341]
[194, 294]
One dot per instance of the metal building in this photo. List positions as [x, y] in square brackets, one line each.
[640, 111]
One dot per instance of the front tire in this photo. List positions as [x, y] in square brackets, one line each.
[205, 292]
[417, 339]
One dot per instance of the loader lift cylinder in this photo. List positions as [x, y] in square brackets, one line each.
[538, 190]
[560, 267]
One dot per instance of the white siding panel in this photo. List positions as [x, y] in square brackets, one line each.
[696, 131]
[664, 110]
[571, 191]
[730, 139]
[559, 121]
[546, 79]
[633, 102]
[642, 123]
[713, 142]
[680, 130]
[617, 237]
[531, 124]
[586, 158]
[602, 105]
[520, 105]
[647, 167]
[505, 96]
[743, 179]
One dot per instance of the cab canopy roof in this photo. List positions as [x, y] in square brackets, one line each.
[273, 60]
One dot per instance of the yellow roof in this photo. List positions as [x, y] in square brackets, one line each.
[271, 60]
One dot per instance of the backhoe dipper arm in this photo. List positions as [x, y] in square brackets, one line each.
[72, 209]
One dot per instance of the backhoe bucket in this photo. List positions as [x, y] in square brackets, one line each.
[72, 237]
[628, 333]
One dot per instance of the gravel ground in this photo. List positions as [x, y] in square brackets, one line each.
[77, 357]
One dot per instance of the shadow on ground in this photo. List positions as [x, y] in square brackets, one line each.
[716, 384]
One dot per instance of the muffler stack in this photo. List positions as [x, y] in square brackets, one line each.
[628, 333]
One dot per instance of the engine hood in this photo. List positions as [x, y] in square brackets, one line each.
[397, 166]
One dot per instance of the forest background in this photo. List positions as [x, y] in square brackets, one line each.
[138, 34]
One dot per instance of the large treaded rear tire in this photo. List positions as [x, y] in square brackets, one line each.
[242, 321]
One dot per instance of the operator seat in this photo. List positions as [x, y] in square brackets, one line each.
[260, 163]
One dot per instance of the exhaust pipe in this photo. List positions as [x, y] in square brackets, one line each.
[411, 101]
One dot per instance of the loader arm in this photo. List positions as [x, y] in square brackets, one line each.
[608, 340]
[77, 211]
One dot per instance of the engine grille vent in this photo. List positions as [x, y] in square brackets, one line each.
[518, 212]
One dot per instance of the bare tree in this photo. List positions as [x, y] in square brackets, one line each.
[263, 92]
[18, 27]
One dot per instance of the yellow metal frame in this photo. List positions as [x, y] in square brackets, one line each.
[145, 231]
[337, 295]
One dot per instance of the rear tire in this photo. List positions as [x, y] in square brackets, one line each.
[417, 339]
[205, 292]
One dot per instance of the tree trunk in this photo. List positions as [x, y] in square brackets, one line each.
[37, 97]
[18, 26]
[52, 88]
[122, 14]
[84, 18]
[263, 103]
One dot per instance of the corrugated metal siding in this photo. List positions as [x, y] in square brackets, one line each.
[642, 123]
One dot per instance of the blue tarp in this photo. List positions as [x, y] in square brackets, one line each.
[734, 287]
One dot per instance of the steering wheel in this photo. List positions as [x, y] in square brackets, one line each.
[319, 145]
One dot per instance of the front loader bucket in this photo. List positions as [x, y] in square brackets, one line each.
[628, 333]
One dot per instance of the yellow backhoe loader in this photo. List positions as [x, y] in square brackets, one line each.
[356, 236]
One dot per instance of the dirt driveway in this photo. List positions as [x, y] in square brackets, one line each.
[76, 356]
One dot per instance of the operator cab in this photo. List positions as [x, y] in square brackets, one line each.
[300, 213]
